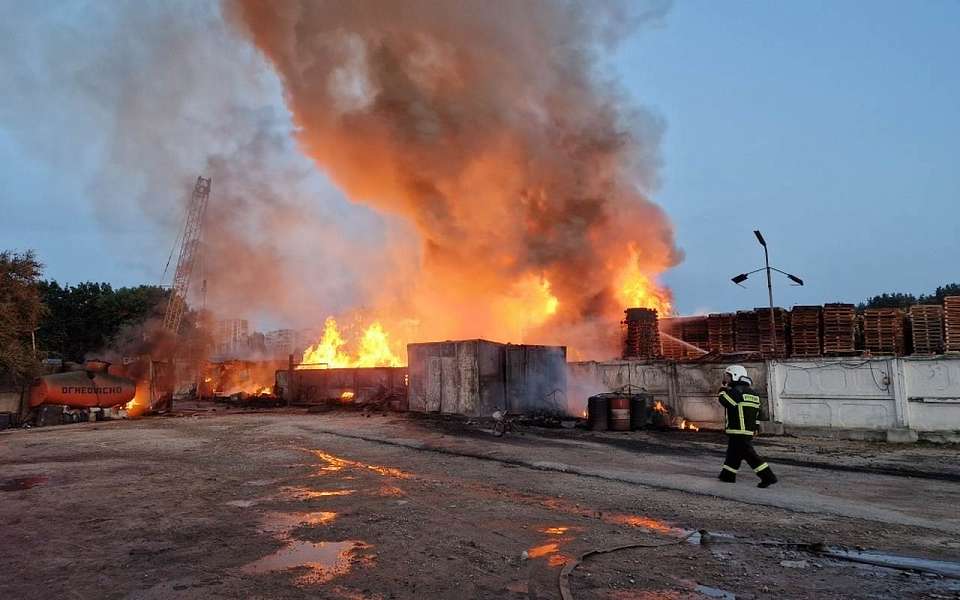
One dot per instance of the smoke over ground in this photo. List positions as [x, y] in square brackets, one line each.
[489, 128]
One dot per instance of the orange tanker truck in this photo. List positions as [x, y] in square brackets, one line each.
[82, 389]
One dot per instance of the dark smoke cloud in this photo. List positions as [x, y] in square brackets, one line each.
[490, 127]
[130, 101]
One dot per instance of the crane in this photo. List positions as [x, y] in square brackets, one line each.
[189, 252]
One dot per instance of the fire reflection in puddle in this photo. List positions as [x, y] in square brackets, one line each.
[336, 463]
[283, 523]
[301, 493]
[323, 561]
[545, 549]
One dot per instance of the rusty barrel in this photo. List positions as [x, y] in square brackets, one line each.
[597, 407]
[620, 413]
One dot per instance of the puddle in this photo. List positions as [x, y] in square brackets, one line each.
[712, 592]
[241, 503]
[545, 549]
[260, 482]
[21, 483]
[336, 463]
[939, 567]
[282, 523]
[323, 561]
[644, 523]
[554, 530]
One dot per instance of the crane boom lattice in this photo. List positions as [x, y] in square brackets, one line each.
[189, 250]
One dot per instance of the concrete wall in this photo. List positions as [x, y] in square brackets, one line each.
[921, 394]
[689, 389]
[879, 394]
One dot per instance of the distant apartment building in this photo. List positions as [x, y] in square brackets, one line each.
[281, 343]
[230, 337]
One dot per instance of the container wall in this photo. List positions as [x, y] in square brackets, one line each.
[316, 386]
[536, 379]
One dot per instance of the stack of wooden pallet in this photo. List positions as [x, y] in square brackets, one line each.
[720, 333]
[747, 334]
[780, 318]
[926, 323]
[839, 329]
[683, 337]
[695, 331]
[671, 339]
[951, 320]
[883, 331]
[805, 331]
[642, 339]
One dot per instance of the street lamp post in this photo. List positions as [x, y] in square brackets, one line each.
[766, 260]
[743, 277]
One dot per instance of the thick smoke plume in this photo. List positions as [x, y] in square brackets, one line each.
[488, 127]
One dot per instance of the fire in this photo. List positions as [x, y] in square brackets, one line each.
[635, 289]
[684, 424]
[346, 396]
[140, 402]
[659, 407]
[330, 352]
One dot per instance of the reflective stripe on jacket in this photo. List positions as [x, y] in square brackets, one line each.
[742, 406]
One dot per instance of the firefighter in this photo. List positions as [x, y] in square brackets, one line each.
[742, 406]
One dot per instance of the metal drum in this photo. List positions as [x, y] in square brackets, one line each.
[597, 407]
[620, 413]
[640, 410]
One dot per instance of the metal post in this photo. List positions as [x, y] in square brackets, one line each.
[773, 328]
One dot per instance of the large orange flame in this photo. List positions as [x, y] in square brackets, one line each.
[373, 349]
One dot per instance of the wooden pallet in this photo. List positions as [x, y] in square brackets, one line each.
[747, 335]
[883, 331]
[839, 329]
[780, 320]
[951, 322]
[721, 333]
[641, 338]
[684, 337]
[926, 324]
[805, 331]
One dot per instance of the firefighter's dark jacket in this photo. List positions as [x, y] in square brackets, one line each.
[742, 405]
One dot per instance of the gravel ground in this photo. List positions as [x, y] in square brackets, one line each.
[283, 504]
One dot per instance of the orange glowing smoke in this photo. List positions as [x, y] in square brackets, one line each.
[517, 187]
[373, 349]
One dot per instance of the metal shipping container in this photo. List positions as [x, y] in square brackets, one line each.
[478, 377]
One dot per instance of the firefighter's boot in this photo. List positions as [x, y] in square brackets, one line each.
[727, 475]
[767, 478]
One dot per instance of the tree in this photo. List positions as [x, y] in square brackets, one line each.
[899, 300]
[21, 309]
[88, 317]
[894, 300]
[951, 289]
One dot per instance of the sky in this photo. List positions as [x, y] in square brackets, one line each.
[830, 126]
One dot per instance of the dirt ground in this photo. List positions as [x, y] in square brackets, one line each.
[286, 504]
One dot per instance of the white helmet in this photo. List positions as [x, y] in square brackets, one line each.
[738, 373]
